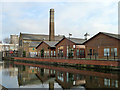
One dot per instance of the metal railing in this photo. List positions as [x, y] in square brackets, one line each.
[76, 58]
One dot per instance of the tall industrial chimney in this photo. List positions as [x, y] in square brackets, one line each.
[51, 26]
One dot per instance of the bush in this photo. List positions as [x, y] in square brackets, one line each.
[24, 53]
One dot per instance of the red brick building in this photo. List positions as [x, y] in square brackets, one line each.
[73, 45]
[103, 45]
[48, 47]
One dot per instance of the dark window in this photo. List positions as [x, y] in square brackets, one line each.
[90, 52]
[113, 51]
[81, 52]
[94, 52]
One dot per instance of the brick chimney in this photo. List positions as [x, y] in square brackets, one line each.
[51, 26]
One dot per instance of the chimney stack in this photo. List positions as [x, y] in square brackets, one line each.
[51, 26]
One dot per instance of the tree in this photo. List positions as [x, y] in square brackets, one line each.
[24, 53]
[6, 40]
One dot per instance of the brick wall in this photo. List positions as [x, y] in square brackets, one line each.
[73, 61]
[64, 43]
[99, 43]
[46, 48]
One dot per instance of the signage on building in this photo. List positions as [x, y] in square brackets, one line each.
[73, 46]
[33, 49]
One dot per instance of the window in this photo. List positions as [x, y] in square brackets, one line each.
[107, 82]
[77, 52]
[54, 53]
[44, 53]
[106, 51]
[67, 77]
[47, 53]
[116, 83]
[113, 51]
[72, 52]
[94, 51]
[51, 53]
[67, 51]
[90, 51]
[81, 52]
[58, 52]
[60, 76]
[112, 83]
[11, 47]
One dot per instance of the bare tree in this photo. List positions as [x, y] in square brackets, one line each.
[6, 40]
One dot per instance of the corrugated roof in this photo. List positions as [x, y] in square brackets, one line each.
[34, 44]
[77, 40]
[117, 36]
[39, 37]
[51, 43]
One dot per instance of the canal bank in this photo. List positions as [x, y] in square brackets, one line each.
[97, 64]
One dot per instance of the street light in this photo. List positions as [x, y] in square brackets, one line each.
[70, 35]
[69, 45]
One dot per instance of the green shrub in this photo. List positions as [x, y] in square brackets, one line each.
[24, 53]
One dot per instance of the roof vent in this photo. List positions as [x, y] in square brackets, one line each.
[86, 36]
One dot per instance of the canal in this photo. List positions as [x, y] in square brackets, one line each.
[16, 74]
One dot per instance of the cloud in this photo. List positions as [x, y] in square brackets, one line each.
[87, 17]
[76, 17]
[0, 22]
[59, 0]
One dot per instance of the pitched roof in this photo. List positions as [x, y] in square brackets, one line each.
[49, 43]
[116, 36]
[34, 44]
[39, 37]
[78, 41]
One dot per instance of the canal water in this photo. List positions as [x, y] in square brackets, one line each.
[34, 75]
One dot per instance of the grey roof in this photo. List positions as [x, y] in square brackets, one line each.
[39, 37]
[34, 44]
[117, 36]
[77, 40]
[51, 43]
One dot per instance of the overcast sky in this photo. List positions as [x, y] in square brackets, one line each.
[72, 16]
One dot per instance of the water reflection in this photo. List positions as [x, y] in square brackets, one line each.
[26, 75]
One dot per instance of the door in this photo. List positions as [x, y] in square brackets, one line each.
[82, 53]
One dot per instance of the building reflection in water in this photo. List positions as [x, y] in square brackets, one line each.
[31, 75]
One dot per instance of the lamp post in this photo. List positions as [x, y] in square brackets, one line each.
[70, 35]
[69, 52]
